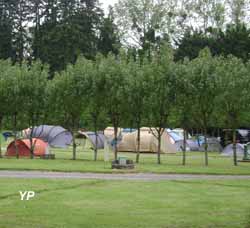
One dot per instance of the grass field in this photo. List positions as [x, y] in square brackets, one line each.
[125, 204]
[171, 163]
[113, 204]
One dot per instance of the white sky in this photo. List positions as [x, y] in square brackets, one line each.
[106, 3]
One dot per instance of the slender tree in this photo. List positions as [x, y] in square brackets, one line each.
[184, 95]
[96, 95]
[67, 93]
[33, 83]
[234, 95]
[204, 79]
[162, 95]
[114, 70]
[138, 89]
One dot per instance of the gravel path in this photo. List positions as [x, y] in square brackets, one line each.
[137, 176]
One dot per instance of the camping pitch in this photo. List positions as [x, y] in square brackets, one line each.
[55, 136]
[23, 147]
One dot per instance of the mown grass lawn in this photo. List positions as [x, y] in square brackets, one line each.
[171, 163]
[91, 204]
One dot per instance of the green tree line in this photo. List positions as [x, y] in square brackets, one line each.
[129, 91]
[56, 32]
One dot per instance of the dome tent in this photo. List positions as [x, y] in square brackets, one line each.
[99, 143]
[23, 146]
[148, 142]
[55, 136]
[228, 150]
[178, 141]
[213, 145]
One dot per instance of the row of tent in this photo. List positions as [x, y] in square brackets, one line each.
[46, 136]
[43, 137]
[172, 141]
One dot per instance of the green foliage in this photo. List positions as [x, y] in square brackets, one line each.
[162, 87]
[205, 87]
[32, 83]
[109, 37]
[126, 90]
[191, 45]
[68, 92]
[234, 40]
[68, 30]
[5, 31]
[145, 23]
[233, 99]
[114, 70]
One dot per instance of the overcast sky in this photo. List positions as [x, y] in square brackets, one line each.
[106, 3]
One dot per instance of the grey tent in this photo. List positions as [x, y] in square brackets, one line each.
[179, 142]
[96, 142]
[55, 136]
[193, 145]
[213, 145]
[228, 150]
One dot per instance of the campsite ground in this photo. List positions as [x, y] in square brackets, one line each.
[171, 163]
[99, 203]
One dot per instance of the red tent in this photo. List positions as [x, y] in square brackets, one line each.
[23, 146]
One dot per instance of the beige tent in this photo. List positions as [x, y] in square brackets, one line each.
[110, 133]
[148, 142]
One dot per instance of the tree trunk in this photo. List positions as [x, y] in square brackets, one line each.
[1, 119]
[138, 143]
[74, 146]
[96, 142]
[159, 148]
[115, 141]
[15, 136]
[184, 147]
[218, 132]
[95, 118]
[206, 147]
[234, 147]
[32, 146]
